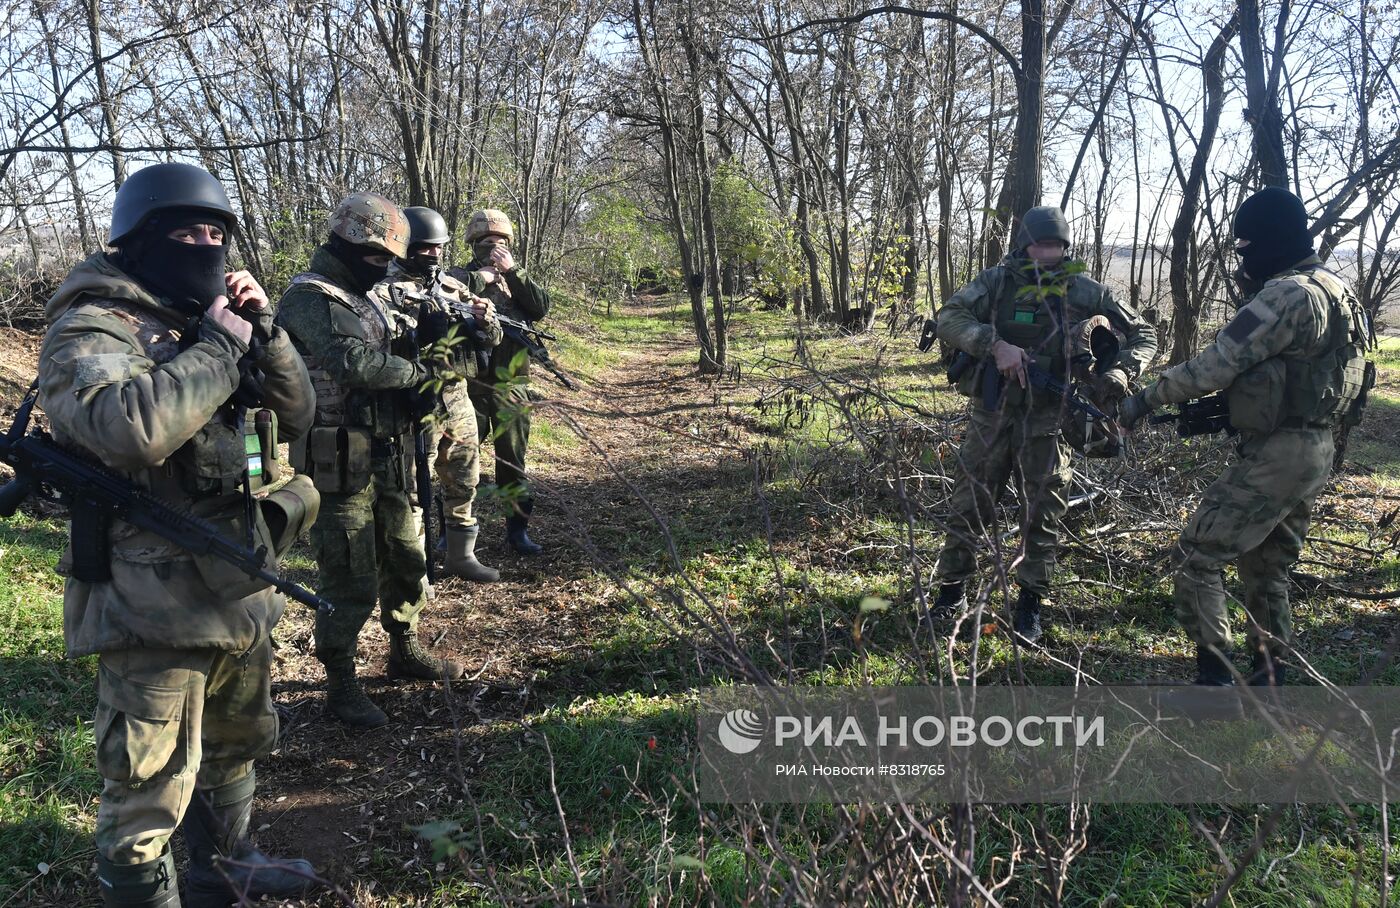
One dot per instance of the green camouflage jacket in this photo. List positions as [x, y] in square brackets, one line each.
[353, 346]
[121, 382]
[520, 298]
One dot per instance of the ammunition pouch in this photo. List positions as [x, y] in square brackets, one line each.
[290, 510]
[337, 458]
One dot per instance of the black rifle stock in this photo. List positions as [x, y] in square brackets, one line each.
[96, 496]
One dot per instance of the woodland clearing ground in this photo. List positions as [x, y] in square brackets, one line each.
[566, 663]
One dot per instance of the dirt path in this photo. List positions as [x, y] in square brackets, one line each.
[343, 797]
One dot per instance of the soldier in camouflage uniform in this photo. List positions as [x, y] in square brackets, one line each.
[1292, 362]
[1018, 312]
[454, 452]
[152, 358]
[369, 400]
[504, 408]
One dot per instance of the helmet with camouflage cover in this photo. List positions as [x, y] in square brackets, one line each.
[489, 221]
[367, 219]
[425, 226]
[1041, 223]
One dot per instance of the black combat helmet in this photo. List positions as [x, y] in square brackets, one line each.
[425, 226]
[164, 186]
[1041, 223]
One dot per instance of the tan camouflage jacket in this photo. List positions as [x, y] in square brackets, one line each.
[116, 386]
[1282, 319]
[464, 359]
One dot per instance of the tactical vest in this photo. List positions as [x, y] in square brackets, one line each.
[1035, 323]
[1317, 390]
[213, 461]
[334, 403]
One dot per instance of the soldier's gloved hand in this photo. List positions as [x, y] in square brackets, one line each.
[433, 325]
[1132, 410]
[1112, 386]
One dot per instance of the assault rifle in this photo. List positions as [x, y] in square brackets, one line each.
[96, 496]
[1205, 416]
[532, 339]
[992, 385]
[456, 310]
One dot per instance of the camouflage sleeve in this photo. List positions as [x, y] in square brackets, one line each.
[332, 332]
[965, 320]
[1265, 327]
[287, 389]
[1140, 338]
[101, 392]
[530, 298]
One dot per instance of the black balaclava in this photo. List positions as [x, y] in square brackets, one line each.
[189, 275]
[1276, 225]
[352, 255]
[421, 264]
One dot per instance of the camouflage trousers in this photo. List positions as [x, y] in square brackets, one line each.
[170, 721]
[997, 446]
[504, 411]
[1256, 515]
[367, 547]
[455, 455]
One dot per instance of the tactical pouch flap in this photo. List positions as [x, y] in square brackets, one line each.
[290, 510]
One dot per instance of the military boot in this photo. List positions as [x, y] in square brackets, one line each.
[950, 601]
[515, 528]
[1026, 618]
[408, 659]
[225, 866]
[461, 556]
[1267, 669]
[149, 885]
[1212, 696]
[346, 699]
[1213, 668]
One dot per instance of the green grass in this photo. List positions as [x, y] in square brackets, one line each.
[48, 786]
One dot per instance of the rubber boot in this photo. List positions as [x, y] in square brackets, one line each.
[346, 699]
[1026, 619]
[408, 659]
[149, 885]
[1267, 669]
[515, 529]
[461, 556]
[225, 866]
